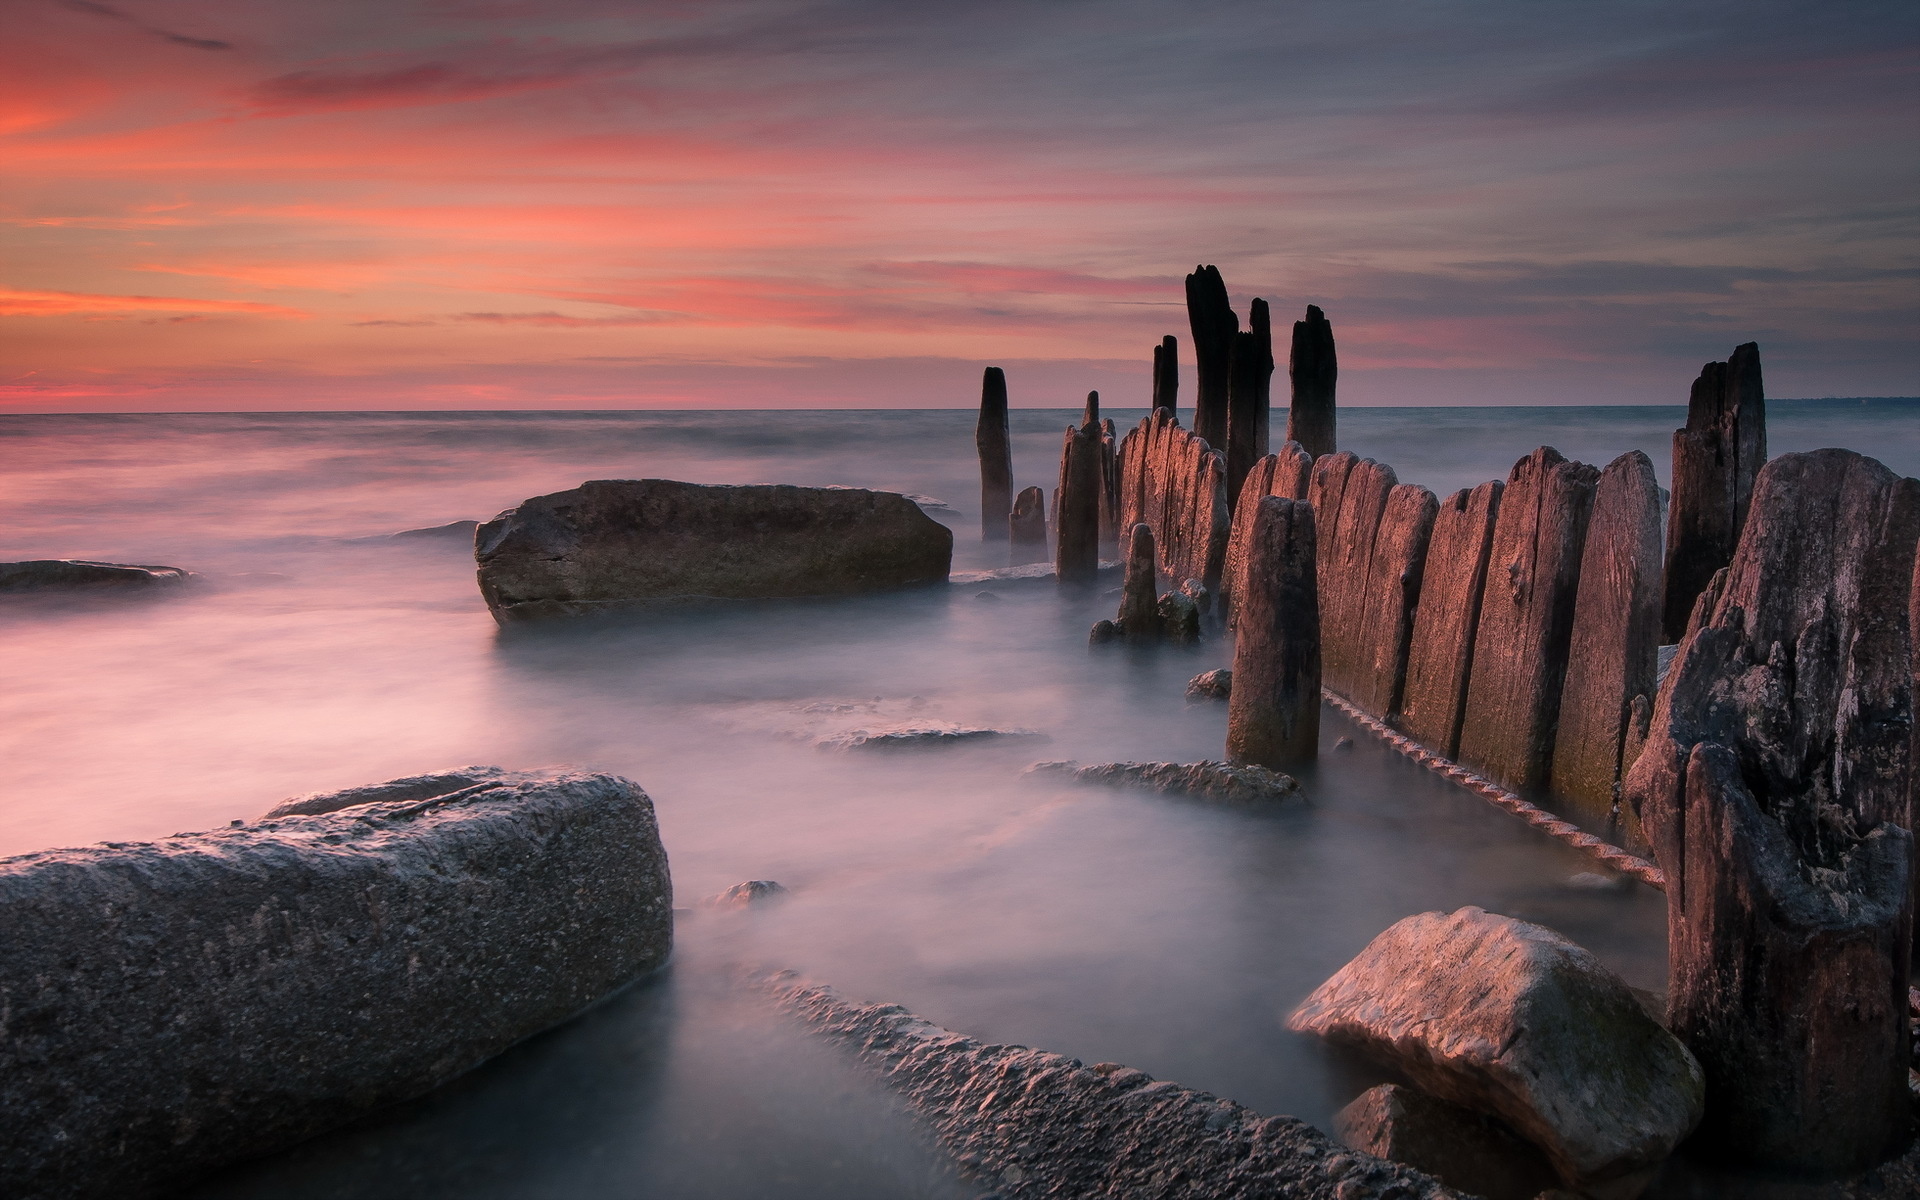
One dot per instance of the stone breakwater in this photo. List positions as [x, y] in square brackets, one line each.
[1028, 1123]
[172, 1006]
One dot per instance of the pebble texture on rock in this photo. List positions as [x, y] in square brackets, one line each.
[1526, 620]
[1273, 713]
[1218, 781]
[1313, 369]
[1775, 788]
[1440, 649]
[74, 574]
[1716, 458]
[1616, 635]
[175, 1005]
[617, 542]
[1176, 483]
[996, 456]
[1512, 1019]
[1029, 1124]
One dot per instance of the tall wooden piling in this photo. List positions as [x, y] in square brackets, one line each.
[1440, 651]
[1526, 620]
[1027, 524]
[1389, 598]
[1346, 534]
[1139, 603]
[1616, 635]
[1213, 321]
[990, 437]
[1249, 379]
[1313, 370]
[1715, 460]
[1166, 375]
[1776, 789]
[1273, 714]
[1076, 507]
[1283, 473]
[1110, 527]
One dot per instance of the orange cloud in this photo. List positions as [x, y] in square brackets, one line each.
[17, 302]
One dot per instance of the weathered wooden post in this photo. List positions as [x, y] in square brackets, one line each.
[1028, 525]
[1346, 532]
[1282, 473]
[1715, 460]
[1440, 654]
[1139, 608]
[1076, 507]
[1109, 488]
[1526, 619]
[1166, 375]
[1249, 379]
[1214, 323]
[1273, 715]
[1775, 787]
[1388, 600]
[996, 456]
[1313, 371]
[1616, 635]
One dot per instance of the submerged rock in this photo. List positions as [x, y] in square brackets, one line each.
[75, 574]
[1028, 1123]
[748, 894]
[1218, 781]
[176, 1005]
[1179, 618]
[617, 542]
[915, 737]
[1216, 684]
[1512, 1019]
[1462, 1148]
[452, 531]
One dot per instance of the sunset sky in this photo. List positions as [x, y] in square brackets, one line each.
[260, 204]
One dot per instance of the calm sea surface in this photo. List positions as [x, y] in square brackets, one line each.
[1104, 925]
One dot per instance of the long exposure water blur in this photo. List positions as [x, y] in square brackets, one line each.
[312, 653]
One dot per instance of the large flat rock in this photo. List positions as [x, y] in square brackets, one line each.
[75, 574]
[1512, 1019]
[172, 1006]
[612, 543]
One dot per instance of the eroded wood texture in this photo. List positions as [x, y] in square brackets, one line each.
[1249, 378]
[1347, 533]
[1213, 323]
[1076, 507]
[1166, 375]
[1273, 713]
[1526, 620]
[996, 456]
[1775, 788]
[1716, 458]
[1176, 483]
[1440, 653]
[1395, 575]
[1285, 473]
[1139, 589]
[1616, 634]
[1313, 370]
[1027, 524]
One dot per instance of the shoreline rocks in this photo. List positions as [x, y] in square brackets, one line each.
[176, 1005]
[79, 574]
[1226, 783]
[615, 543]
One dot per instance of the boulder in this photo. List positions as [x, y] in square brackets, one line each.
[748, 894]
[1026, 1124]
[1179, 618]
[1462, 1148]
[1224, 782]
[75, 574]
[1313, 370]
[1216, 684]
[613, 543]
[176, 1005]
[1512, 1019]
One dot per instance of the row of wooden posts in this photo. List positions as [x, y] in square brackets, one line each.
[1516, 627]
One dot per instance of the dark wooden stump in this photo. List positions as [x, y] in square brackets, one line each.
[996, 457]
[1526, 619]
[1775, 788]
[1440, 655]
[1166, 375]
[1715, 460]
[1313, 369]
[1110, 527]
[1616, 635]
[1273, 714]
[1139, 602]
[1389, 599]
[1076, 507]
[1213, 321]
[1027, 524]
[1249, 378]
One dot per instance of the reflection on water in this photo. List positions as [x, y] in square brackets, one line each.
[1105, 925]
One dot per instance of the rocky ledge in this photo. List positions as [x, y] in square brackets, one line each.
[74, 574]
[1224, 783]
[175, 1005]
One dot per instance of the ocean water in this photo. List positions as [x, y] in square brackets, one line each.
[314, 654]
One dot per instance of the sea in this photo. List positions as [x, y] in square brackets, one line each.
[314, 652]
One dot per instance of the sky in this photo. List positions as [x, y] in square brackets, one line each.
[478, 204]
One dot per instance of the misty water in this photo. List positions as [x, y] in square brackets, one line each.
[1106, 925]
